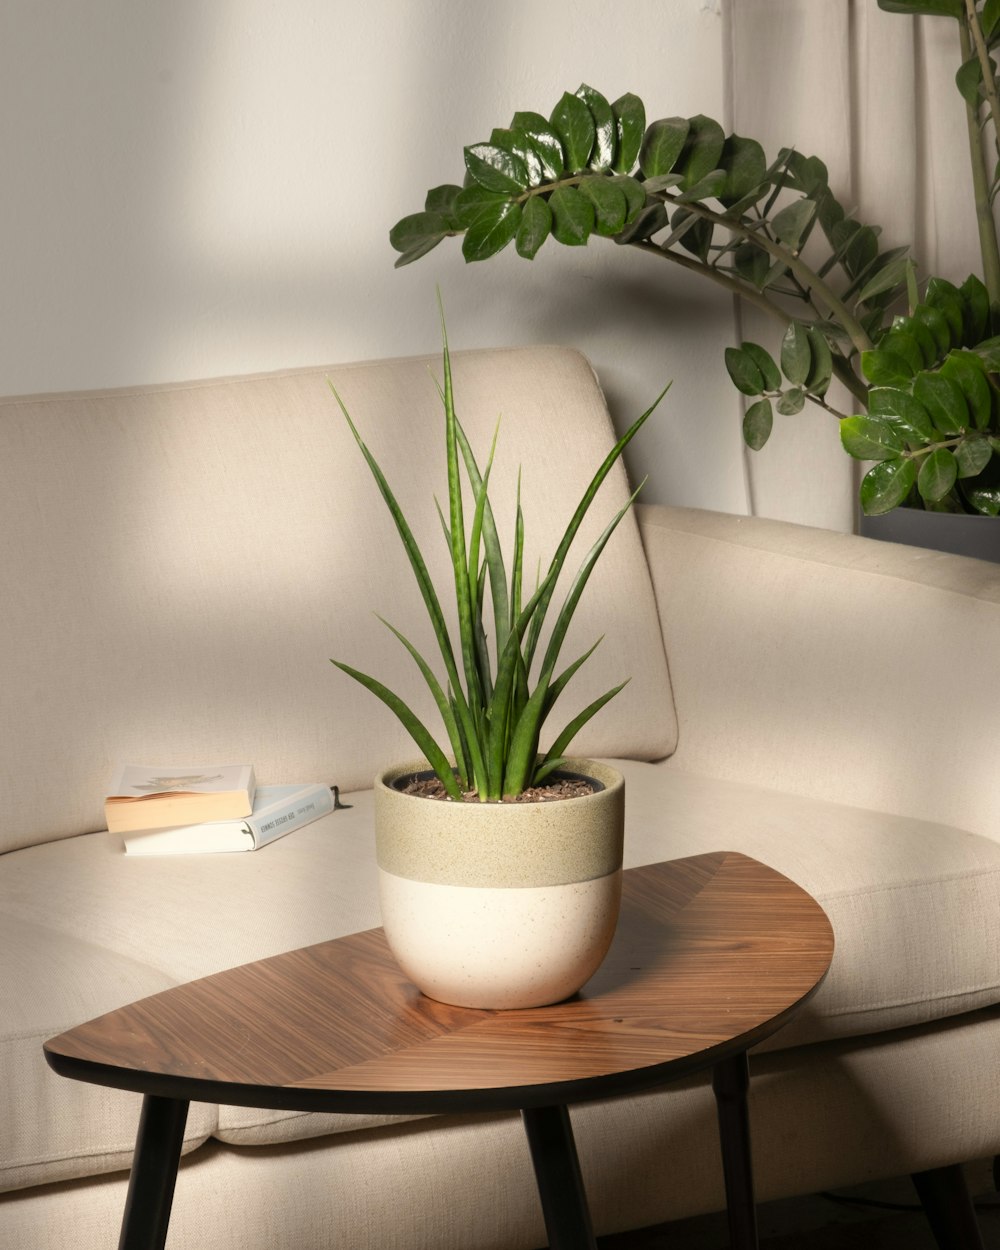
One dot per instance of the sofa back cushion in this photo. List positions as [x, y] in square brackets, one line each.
[181, 562]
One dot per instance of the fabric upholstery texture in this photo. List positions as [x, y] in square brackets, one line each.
[183, 561]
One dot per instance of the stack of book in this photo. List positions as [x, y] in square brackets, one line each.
[201, 809]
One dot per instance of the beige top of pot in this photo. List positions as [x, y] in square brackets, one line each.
[501, 844]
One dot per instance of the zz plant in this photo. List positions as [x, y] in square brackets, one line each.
[492, 713]
[921, 364]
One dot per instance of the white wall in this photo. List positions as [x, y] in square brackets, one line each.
[201, 187]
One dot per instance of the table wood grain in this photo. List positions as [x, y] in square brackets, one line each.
[712, 954]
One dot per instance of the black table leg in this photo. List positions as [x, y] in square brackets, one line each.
[730, 1082]
[154, 1173]
[560, 1184]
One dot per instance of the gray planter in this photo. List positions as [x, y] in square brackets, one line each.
[962, 535]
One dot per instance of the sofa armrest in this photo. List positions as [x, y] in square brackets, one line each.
[829, 665]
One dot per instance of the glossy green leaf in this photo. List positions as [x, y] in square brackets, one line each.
[574, 123]
[900, 342]
[743, 371]
[870, 438]
[649, 221]
[702, 149]
[985, 499]
[415, 235]
[791, 401]
[976, 304]
[441, 199]
[937, 475]
[932, 8]
[492, 230]
[764, 362]
[534, 228]
[792, 224]
[605, 128]
[796, 354]
[752, 264]
[988, 352]
[884, 368]
[924, 337]
[544, 139]
[757, 424]
[471, 202]
[662, 144]
[968, 370]
[886, 486]
[635, 196]
[745, 165]
[495, 169]
[935, 321]
[706, 188]
[630, 125]
[886, 279]
[572, 216]
[944, 400]
[990, 18]
[907, 414]
[944, 296]
[821, 368]
[972, 455]
[608, 200]
[698, 238]
[518, 144]
[969, 81]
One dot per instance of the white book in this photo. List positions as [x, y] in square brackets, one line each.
[277, 810]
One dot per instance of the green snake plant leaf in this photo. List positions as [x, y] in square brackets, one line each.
[414, 726]
[555, 756]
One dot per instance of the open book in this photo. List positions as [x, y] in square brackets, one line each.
[277, 810]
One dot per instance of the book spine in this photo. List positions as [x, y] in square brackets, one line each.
[301, 809]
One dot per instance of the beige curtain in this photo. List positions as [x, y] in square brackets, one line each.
[872, 94]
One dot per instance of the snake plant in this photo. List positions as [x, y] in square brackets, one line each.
[492, 708]
[919, 360]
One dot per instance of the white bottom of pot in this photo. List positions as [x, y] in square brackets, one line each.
[499, 948]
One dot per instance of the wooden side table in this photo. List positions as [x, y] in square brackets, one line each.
[712, 954]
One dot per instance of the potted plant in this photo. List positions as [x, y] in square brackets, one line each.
[499, 862]
[919, 359]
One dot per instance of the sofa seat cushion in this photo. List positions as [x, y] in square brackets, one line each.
[908, 900]
[53, 1129]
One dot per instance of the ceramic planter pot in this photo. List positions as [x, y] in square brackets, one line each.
[500, 905]
[958, 533]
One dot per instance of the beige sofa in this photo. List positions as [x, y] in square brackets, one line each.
[180, 563]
